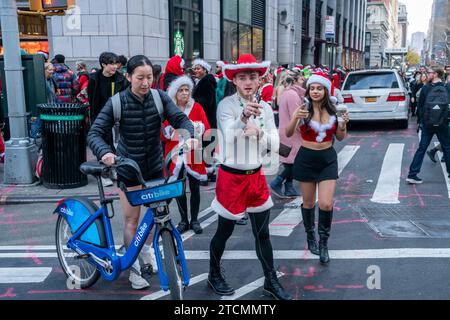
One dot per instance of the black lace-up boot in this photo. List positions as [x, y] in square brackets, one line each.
[273, 288]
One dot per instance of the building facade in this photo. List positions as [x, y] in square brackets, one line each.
[210, 29]
[417, 42]
[438, 44]
[403, 25]
[382, 31]
[329, 32]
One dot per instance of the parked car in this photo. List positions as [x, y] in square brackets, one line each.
[376, 95]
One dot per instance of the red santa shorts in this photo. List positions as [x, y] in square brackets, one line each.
[239, 192]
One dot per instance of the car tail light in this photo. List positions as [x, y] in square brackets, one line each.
[348, 98]
[396, 97]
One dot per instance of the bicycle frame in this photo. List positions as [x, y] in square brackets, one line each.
[110, 264]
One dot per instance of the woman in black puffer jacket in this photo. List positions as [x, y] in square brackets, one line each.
[140, 140]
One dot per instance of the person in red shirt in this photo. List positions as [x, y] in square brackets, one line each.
[316, 163]
[180, 91]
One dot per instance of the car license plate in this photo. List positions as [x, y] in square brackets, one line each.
[371, 99]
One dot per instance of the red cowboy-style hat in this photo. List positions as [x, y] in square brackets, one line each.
[245, 63]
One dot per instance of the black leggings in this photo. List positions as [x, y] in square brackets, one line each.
[260, 228]
[194, 186]
[288, 172]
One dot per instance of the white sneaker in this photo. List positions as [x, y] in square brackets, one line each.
[148, 257]
[107, 182]
[137, 282]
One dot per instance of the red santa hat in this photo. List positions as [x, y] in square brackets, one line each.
[245, 63]
[202, 63]
[321, 78]
[177, 84]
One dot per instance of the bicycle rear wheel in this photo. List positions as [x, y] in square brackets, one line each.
[80, 272]
[172, 266]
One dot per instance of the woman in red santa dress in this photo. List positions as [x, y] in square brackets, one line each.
[316, 163]
[180, 91]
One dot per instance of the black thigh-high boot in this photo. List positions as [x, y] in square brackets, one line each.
[325, 220]
[308, 221]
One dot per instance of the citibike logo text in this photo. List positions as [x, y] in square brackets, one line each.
[155, 195]
[140, 234]
[66, 211]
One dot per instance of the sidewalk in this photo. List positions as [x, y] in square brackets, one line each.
[37, 193]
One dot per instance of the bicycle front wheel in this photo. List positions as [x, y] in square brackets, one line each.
[81, 274]
[172, 266]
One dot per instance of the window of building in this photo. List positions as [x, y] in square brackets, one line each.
[243, 27]
[319, 5]
[186, 28]
[305, 18]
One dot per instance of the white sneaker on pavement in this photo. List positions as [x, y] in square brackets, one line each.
[148, 257]
[136, 279]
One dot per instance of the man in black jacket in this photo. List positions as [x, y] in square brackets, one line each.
[104, 83]
[435, 75]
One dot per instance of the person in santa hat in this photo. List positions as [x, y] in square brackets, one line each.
[246, 127]
[180, 91]
[316, 164]
[174, 69]
[219, 74]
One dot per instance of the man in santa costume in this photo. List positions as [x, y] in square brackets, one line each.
[246, 129]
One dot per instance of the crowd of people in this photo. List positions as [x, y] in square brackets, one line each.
[228, 114]
[235, 115]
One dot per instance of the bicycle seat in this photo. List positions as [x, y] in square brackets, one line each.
[93, 168]
[154, 183]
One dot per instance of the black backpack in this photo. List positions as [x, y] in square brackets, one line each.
[436, 108]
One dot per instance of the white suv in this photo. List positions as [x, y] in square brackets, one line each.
[373, 95]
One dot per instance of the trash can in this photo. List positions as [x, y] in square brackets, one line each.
[63, 128]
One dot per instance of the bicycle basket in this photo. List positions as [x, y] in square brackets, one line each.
[156, 194]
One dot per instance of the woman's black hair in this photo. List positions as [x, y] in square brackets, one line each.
[326, 104]
[137, 61]
[108, 58]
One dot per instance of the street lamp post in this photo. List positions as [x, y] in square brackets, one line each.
[20, 153]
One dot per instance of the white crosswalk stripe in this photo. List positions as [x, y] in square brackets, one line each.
[444, 170]
[162, 293]
[24, 275]
[239, 293]
[388, 186]
[285, 223]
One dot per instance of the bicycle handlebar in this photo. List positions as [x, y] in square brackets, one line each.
[126, 162]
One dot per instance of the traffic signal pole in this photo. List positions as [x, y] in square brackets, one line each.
[20, 153]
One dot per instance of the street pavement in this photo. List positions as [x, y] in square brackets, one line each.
[389, 240]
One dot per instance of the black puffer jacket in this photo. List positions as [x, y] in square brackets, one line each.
[140, 127]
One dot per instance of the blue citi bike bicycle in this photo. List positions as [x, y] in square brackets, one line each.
[84, 238]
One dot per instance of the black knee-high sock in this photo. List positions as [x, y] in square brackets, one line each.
[194, 186]
[225, 228]
[260, 228]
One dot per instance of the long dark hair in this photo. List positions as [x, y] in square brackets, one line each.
[325, 105]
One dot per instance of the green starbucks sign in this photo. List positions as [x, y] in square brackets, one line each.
[179, 43]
